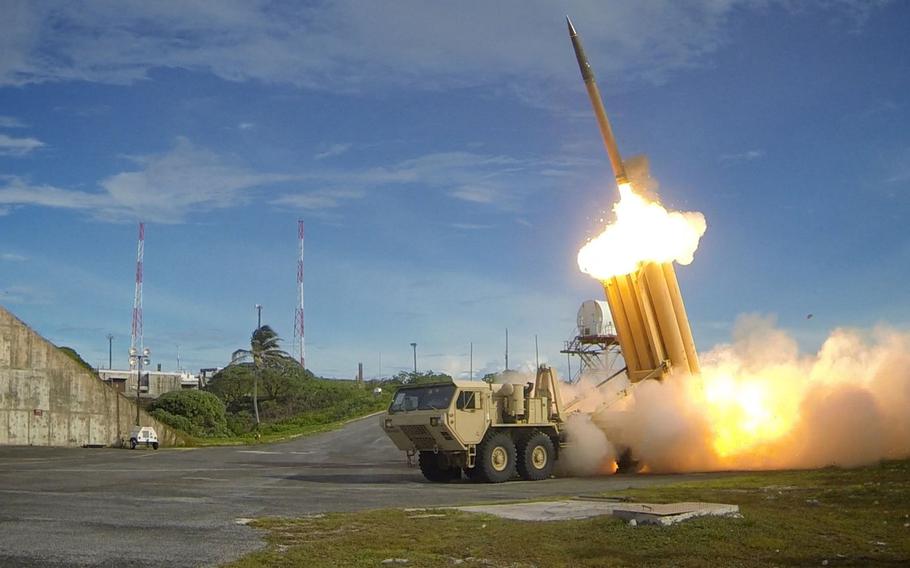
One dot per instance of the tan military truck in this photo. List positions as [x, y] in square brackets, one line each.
[491, 432]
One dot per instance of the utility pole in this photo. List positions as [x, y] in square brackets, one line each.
[138, 359]
[110, 350]
[471, 372]
[414, 346]
[258, 316]
[536, 352]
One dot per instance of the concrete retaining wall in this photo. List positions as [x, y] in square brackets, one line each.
[48, 399]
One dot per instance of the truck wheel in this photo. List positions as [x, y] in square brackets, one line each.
[154, 445]
[535, 457]
[495, 458]
[432, 470]
[132, 443]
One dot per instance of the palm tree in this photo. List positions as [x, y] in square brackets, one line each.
[264, 351]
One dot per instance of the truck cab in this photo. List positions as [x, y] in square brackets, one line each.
[489, 432]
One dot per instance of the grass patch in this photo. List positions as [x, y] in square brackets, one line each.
[305, 424]
[829, 517]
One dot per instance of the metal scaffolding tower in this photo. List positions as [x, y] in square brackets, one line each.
[299, 343]
[597, 352]
[136, 343]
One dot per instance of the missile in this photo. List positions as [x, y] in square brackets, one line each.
[597, 102]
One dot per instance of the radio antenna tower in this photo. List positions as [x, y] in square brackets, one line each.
[298, 319]
[136, 331]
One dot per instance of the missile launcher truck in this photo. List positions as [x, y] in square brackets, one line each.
[491, 432]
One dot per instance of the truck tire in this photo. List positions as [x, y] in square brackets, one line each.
[536, 457]
[432, 470]
[495, 458]
[132, 443]
[154, 445]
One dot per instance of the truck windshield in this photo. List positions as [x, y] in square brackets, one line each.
[422, 398]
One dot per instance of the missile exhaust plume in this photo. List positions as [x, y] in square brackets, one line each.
[643, 231]
[761, 404]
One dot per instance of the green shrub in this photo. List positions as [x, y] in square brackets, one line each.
[179, 422]
[202, 410]
[240, 422]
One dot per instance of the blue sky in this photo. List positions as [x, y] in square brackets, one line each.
[447, 166]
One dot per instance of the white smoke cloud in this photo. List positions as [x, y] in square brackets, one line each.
[588, 451]
[760, 404]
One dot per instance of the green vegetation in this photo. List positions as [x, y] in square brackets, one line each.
[829, 517]
[265, 395]
[264, 352]
[72, 354]
[412, 378]
[195, 412]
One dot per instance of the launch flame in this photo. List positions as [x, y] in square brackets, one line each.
[643, 231]
[760, 404]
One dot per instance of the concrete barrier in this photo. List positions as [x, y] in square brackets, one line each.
[48, 399]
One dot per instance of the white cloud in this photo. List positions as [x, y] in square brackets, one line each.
[350, 45]
[245, 125]
[475, 194]
[165, 188]
[320, 199]
[470, 226]
[10, 146]
[747, 156]
[12, 257]
[189, 179]
[333, 150]
[11, 122]
[16, 191]
[498, 181]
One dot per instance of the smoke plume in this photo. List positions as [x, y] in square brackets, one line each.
[589, 452]
[760, 404]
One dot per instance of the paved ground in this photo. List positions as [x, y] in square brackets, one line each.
[109, 507]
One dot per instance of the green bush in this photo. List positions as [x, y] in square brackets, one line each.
[202, 410]
[179, 422]
[240, 422]
[292, 399]
[233, 385]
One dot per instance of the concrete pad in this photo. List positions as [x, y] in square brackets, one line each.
[573, 509]
[546, 510]
[671, 513]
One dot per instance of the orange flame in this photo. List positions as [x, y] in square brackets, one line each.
[643, 231]
[746, 412]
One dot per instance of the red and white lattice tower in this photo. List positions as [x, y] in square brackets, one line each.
[298, 319]
[136, 331]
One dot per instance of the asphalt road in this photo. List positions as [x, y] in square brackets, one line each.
[175, 507]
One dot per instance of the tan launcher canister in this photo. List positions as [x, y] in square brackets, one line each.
[651, 322]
